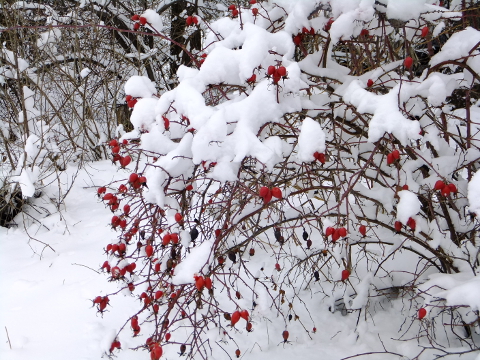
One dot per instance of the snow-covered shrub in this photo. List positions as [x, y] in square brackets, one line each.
[315, 154]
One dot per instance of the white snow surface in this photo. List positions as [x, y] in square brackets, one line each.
[408, 206]
[474, 194]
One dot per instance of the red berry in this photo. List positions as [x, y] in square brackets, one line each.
[116, 149]
[412, 223]
[390, 159]
[362, 230]
[166, 123]
[396, 154]
[277, 192]
[285, 335]
[136, 26]
[218, 232]
[142, 20]
[195, 20]
[113, 143]
[101, 190]
[364, 32]
[131, 287]
[297, 39]
[249, 326]
[235, 13]
[369, 82]
[174, 238]
[244, 314]
[158, 294]
[405, 187]
[199, 283]
[131, 103]
[135, 17]
[253, 2]
[408, 62]
[252, 79]
[328, 25]
[342, 232]
[329, 231]
[439, 185]
[237, 353]
[189, 187]
[208, 283]
[335, 235]
[115, 221]
[178, 217]
[319, 156]
[271, 70]
[398, 226]
[453, 188]
[122, 189]
[167, 336]
[128, 98]
[282, 71]
[345, 275]
[149, 250]
[446, 191]
[425, 32]
[277, 267]
[189, 20]
[166, 239]
[232, 7]
[314, 330]
[255, 11]
[422, 312]
[133, 177]
[97, 300]
[123, 224]
[263, 192]
[252, 252]
[235, 317]
[125, 161]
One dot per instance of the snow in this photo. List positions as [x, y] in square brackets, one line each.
[310, 140]
[192, 264]
[474, 193]
[84, 73]
[408, 206]
[140, 87]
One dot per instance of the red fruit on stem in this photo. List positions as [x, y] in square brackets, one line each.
[101, 190]
[271, 70]
[369, 82]
[263, 192]
[297, 39]
[122, 189]
[189, 187]
[251, 252]
[425, 32]
[208, 283]
[218, 232]
[167, 336]
[328, 25]
[166, 239]
[398, 226]
[178, 217]
[390, 159]
[267, 198]
[195, 20]
[452, 188]
[158, 294]
[175, 238]
[335, 235]
[285, 335]
[126, 209]
[135, 17]
[314, 330]
[253, 2]
[439, 185]
[235, 13]
[412, 223]
[149, 250]
[252, 79]
[166, 123]
[446, 191]
[342, 232]
[237, 353]
[277, 192]
[345, 275]
[396, 154]
[136, 26]
[128, 98]
[319, 156]
[244, 314]
[282, 71]
[142, 20]
[125, 161]
[255, 11]
[249, 326]
[405, 187]
[329, 231]
[408, 62]
[232, 7]
[235, 317]
[116, 149]
[277, 267]
[364, 32]
[200, 283]
[189, 20]
[113, 143]
[422, 312]
[133, 177]
[131, 103]
[115, 221]
[362, 230]
[221, 260]
[97, 300]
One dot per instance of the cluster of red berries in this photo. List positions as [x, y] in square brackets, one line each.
[335, 233]
[134, 325]
[411, 223]
[191, 20]
[394, 155]
[170, 238]
[136, 181]
[115, 147]
[233, 10]
[203, 57]
[118, 273]
[139, 21]
[277, 73]
[201, 282]
[445, 189]
[237, 315]
[102, 302]
[131, 101]
[266, 193]
[155, 349]
[297, 39]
